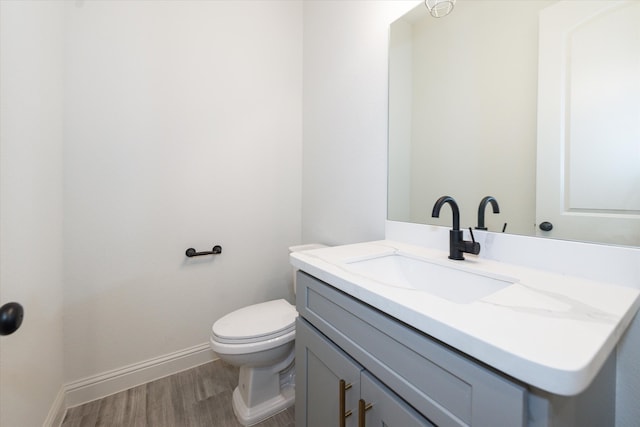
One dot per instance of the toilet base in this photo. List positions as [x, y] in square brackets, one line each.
[249, 416]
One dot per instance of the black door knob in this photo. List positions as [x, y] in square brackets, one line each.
[11, 315]
[546, 226]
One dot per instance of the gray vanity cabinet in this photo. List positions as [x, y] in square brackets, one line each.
[408, 378]
[334, 390]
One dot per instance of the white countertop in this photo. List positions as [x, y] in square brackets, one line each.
[548, 330]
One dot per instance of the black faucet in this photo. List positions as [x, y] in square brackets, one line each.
[482, 208]
[457, 244]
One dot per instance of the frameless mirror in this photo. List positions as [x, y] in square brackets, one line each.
[536, 103]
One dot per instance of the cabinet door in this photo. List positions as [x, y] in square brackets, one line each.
[381, 407]
[322, 399]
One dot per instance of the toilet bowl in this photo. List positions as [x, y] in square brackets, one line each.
[259, 339]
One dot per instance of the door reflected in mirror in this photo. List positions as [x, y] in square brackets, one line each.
[510, 99]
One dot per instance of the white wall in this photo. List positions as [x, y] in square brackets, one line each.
[31, 41]
[183, 129]
[345, 119]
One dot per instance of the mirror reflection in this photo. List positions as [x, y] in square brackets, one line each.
[535, 103]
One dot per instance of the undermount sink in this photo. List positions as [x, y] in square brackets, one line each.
[456, 284]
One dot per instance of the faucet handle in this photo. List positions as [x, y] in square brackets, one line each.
[472, 247]
[472, 237]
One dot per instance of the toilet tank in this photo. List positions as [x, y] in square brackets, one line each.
[300, 248]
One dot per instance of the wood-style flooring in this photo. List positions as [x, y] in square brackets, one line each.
[199, 397]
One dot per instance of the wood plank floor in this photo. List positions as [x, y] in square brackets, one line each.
[199, 397]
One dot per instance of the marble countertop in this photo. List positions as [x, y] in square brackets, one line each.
[548, 330]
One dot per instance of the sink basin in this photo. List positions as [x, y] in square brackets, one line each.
[456, 284]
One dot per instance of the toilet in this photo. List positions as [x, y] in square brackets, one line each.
[259, 339]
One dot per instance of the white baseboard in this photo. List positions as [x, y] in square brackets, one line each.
[107, 383]
[56, 413]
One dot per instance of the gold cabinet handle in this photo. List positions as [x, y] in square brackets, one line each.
[362, 408]
[343, 414]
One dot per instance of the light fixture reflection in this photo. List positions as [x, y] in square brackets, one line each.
[439, 8]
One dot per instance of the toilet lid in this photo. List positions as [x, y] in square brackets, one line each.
[256, 321]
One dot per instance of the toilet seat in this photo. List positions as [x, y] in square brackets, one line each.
[256, 323]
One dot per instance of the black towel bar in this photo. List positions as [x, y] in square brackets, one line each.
[217, 249]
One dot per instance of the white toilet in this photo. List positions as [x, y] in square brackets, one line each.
[260, 340]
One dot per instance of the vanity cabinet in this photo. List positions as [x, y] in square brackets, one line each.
[336, 391]
[393, 375]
